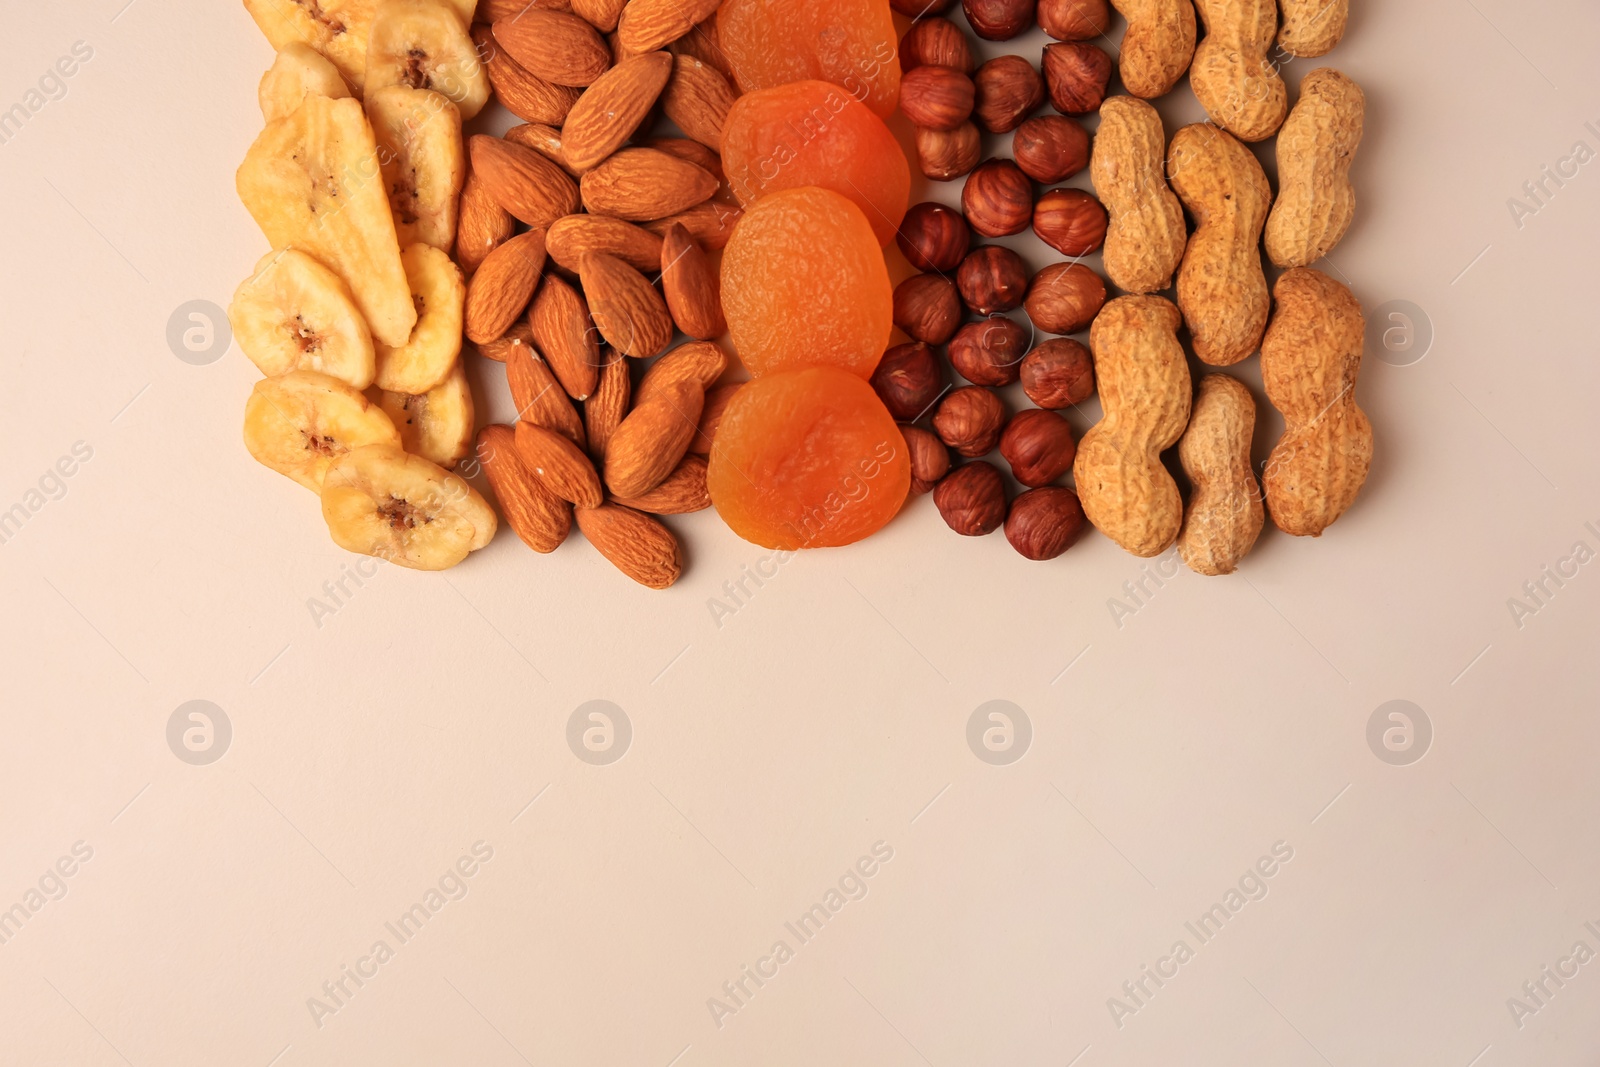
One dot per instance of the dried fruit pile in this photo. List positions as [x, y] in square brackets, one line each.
[706, 169]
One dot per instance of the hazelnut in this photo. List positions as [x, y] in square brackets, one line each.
[1039, 446]
[992, 278]
[972, 499]
[918, 8]
[934, 237]
[969, 420]
[947, 154]
[928, 308]
[1058, 373]
[908, 380]
[997, 199]
[1051, 148]
[1077, 74]
[1070, 221]
[1064, 298]
[1074, 20]
[935, 43]
[1044, 522]
[1007, 89]
[936, 98]
[998, 20]
[989, 352]
[930, 459]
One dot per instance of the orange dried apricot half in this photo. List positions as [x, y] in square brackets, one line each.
[807, 459]
[850, 43]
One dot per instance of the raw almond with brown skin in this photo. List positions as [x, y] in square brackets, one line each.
[717, 399]
[644, 183]
[700, 362]
[500, 348]
[563, 466]
[607, 406]
[538, 516]
[628, 311]
[636, 544]
[704, 44]
[481, 225]
[555, 46]
[529, 186]
[691, 285]
[653, 438]
[696, 153]
[649, 24]
[612, 108]
[683, 492]
[545, 140]
[562, 329]
[492, 11]
[570, 237]
[539, 397]
[697, 99]
[525, 95]
[601, 14]
[710, 223]
[502, 286]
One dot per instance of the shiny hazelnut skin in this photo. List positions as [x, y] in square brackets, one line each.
[934, 237]
[989, 352]
[1076, 75]
[1071, 221]
[917, 9]
[1008, 90]
[1043, 523]
[930, 459]
[1064, 298]
[1058, 373]
[944, 155]
[1051, 148]
[936, 98]
[998, 20]
[1074, 20]
[935, 42]
[970, 420]
[992, 278]
[972, 499]
[1039, 446]
[997, 199]
[928, 308]
[908, 380]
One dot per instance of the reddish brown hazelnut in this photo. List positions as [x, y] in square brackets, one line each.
[1064, 298]
[936, 98]
[1039, 446]
[928, 308]
[935, 43]
[946, 154]
[918, 8]
[998, 20]
[992, 278]
[1008, 88]
[972, 499]
[1076, 74]
[930, 459]
[1044, 522]
[1070, 221]
[1051, 148]
[1058, 373]
[908, 380]
[1074, 20]
[969, 420]
[934, 237]
[997, 199]
[989, 352]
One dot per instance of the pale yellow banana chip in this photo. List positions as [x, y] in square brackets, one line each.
[295, 314]
[381, 501]
[436, 425]
[298, 71]
[424, 44]
[439, 293]
[336, 28]
[301, 422]
[424, 166]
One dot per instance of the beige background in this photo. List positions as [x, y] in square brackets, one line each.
[830, 712]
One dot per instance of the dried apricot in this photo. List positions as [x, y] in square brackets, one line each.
[807, 459]
[850, 43]
[814, 133]
[804, 284]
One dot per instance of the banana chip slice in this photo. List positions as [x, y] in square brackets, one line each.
[424, 44]
[424, 165]
[381, 501]
[436, 425]
[301, 422]
[295, 314]
[336, 28]
[439, 294]
[298, 71]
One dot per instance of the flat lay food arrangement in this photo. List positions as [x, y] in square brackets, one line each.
[697, 259]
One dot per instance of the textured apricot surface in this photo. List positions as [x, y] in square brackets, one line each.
[850, 43]
[804, 285]
[815, 133]
[807, 459]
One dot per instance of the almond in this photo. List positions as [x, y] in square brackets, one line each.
[704, 44]
[538, 516]
[525, 94]
[563, 330]
[710, 223]
[636, 544]
[543, 139]
[628, 311]
[653, 438]
[644, 183]
[555, 46]
[562, 465]
[529, 186]
[601, 14]
[607, 406]
[696, 153]
[500, 348]
[495, 10]
[612, 108]
[502, 286]
[570, 237]
[539, 397]
[717, 399]
[683, 492]
[700, 362]
[697, 99]
[649, 24]
[690, 282]
[482, 224]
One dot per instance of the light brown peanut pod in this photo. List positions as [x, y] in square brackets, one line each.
[1158, 46]
[1125, 490]
[1309, 361]
[1312, 27]
[1146, 235]
[1316, 147]
[1232, 77]
[1224, 515]
[1222, 290]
